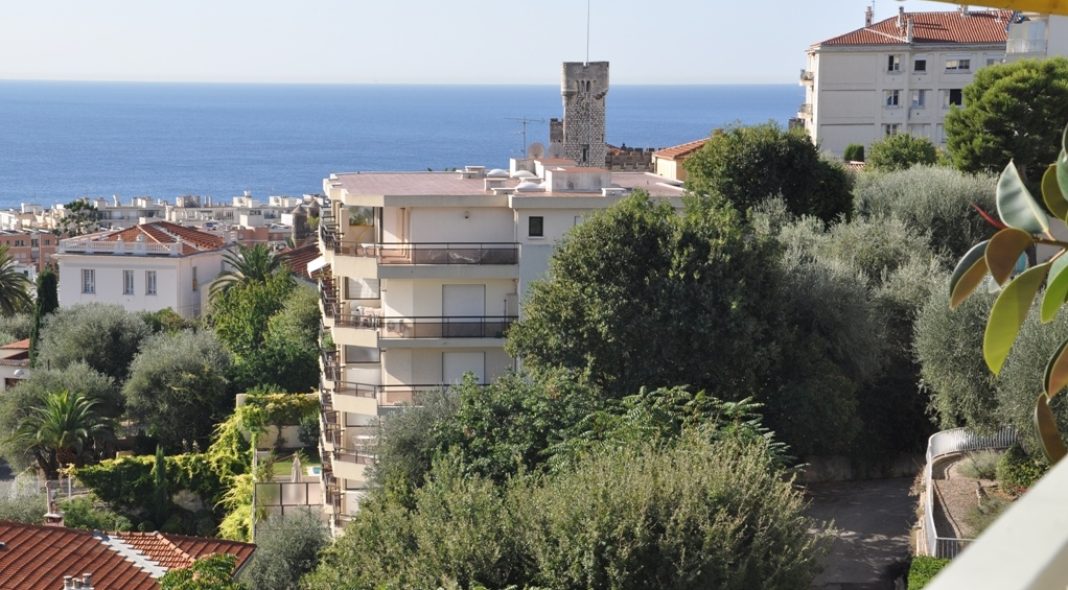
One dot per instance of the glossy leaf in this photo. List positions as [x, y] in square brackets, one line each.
[1062, 163]
[1016, 207]
[1056, 288]
[1009, 312]
[1056, 375]
[969, 273]
[1046, 425]
[1004, 251]
[1052, 194]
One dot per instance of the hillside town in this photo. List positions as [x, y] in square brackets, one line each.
[773, 356]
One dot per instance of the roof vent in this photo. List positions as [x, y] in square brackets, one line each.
[529, 187]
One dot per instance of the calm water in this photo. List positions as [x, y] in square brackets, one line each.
[59, 140]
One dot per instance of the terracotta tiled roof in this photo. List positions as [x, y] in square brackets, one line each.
[165, 232]
[685, 149]
[987, 26]
[17, 345]
[298, 258]
[35, 557]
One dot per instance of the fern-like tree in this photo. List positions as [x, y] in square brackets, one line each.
[250, 264]
[14, 286]
[63, 431]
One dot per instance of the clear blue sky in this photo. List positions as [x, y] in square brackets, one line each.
[419, 41]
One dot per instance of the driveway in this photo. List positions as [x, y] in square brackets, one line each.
[873, 519]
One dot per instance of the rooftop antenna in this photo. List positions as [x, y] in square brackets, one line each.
[525, 121]
[587, 39]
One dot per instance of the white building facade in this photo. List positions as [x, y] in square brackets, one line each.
[900, 75]
[147, 267]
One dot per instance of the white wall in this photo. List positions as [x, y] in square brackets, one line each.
[455, 224]
[423, 297]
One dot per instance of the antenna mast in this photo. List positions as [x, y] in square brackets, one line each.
[587, 33]
[525, 121]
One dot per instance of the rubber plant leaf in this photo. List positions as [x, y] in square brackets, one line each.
[1004, 251]
[1056, 288]
[1052, 195]
[1016, 207]
[1008, 314]
[1056, 376]
[1046, 426]
[969, 273]
[1062, 163]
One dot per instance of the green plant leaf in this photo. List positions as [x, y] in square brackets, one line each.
[1016, 207]
[1046, 426]
[968, 274]
[1062, 164]
[1010, 310]
[1055, 377]
[1056, 288]
[1052, 194]
[1004, 251]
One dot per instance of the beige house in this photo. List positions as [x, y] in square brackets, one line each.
[669, 161]
[899, 75]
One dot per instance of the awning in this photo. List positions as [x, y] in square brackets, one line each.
[316, 265]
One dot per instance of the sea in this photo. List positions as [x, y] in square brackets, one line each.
[63, 140]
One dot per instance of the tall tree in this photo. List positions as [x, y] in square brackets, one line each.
[747, 165]
[105, 336]
[47, 301]
[14, 286]
[62, 430]
[250, 264]
[1013, 111]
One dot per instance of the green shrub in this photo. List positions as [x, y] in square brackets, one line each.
[25, 508]
[287, 547]
[981, 516]
[84, 513]
[1017, 471]
[902, 151]
[980, 465]
[923, 569]
[854, 152]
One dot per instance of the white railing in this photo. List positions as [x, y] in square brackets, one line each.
[87, 246]
[948, 442]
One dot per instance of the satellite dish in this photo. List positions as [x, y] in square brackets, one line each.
[536, 150]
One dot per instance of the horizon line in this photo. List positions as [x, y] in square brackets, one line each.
[335, 83]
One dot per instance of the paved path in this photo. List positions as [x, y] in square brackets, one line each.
[873, 519]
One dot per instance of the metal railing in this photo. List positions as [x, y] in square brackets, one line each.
[807, 75]
[331, 364]
[446, 326]
[360, 455]
[289, 494]
[477, 253]
[948, 442]
[390, 395]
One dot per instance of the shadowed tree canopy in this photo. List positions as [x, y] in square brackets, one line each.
[747, 165]
[1012, 111]
[14, 286]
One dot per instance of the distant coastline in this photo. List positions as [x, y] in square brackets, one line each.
[61, 140]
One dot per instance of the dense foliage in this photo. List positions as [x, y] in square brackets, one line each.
[14, 286]
[854, 152]
[287, 547]
[45, 303]
[902, 151]
[1012, 111]
[923, 569]
[105, 336]
[209, 573]
[747, 165]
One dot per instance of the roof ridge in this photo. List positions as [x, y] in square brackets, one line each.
[131, 554]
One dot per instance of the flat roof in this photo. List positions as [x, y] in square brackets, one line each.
[432, 184]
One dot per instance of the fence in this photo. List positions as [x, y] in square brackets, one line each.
[941, 444]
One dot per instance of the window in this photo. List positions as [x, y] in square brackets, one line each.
[893, 63]
[919, 98]
[893, 98]
[954, 97]
[34, 242]
[958, 65]
[150, 282]
[127, 282]
[536, 226]
[195, 284]
[361, 354]
[891, 129]
[88, 281]
[920, 65]
[992, 60]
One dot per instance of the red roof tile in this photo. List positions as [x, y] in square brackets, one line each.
[298, 258]
[17, 345]
[37, 557]
[685, 149]
[987, 26]
[165, 232]
[199, 547]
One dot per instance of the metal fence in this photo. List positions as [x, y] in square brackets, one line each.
[941, 444]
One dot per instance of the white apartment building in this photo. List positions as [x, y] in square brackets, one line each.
[147, 267]
[1033, 35]
[422, 274]
[899, 75]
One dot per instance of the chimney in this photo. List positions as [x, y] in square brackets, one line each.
[963, 10]
[910, 30]
[901, 18]
[869, 16]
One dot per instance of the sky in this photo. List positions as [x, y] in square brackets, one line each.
[420, 41]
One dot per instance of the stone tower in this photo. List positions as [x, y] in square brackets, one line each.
[583, 87]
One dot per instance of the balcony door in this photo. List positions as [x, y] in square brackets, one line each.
[454, 365]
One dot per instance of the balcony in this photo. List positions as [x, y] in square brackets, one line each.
[447, 253]
[331, 364]
[805, 109]
[390, 395]
[807, 76]
[445, 327]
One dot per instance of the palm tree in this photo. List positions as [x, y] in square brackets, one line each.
[62, 431]
[14, 286]
[250, 264]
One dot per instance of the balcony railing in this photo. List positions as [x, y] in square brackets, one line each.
[359, 455]
[391, 395]
[805, 109]
[331, 364]
[446, 327]
[807, 76]
[449, 253]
